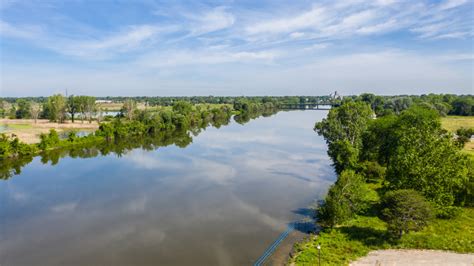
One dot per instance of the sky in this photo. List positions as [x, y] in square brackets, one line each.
[248, 47]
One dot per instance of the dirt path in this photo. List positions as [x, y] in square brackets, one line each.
[393, 257]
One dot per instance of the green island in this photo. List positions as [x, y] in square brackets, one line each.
[405, 181]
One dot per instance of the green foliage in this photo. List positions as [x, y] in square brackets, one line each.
[73, 106]
[425, 159]
[49, 140]
[86, 106]
[56, 106]
[372, 171]
[345, 198]
[343, 129]
[463, 106]
[464, 135]
[23, 109]
[356, 237]
[404, 211]
[448, 212]
[12, 147]
[182, 107]
[129, 108]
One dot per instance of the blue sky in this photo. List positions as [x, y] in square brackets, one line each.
[148, 47]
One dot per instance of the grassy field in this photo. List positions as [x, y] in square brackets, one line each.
[357, 237]
[28, 131]
[452, 123]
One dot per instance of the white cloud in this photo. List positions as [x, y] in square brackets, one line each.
[452, 4]
[210, 21]
[182, 58]
[24, 32]
[304, 20]
[128, 39]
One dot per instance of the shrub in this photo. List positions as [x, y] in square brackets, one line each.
[405, 210]
[372, 171]
[345, 198]
[448, 212]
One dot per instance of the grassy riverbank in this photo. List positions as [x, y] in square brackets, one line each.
[357, 237]
[29, 132]
[411, 190]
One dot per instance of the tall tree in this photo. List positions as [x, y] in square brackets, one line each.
[343, 129]
[23, 108]
[72, 106]
[35, 110]
[57, 108]
[425, 158]
[129, 107]
[405, 210]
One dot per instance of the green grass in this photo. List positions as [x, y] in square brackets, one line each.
[357, 237]
[19, 126]
[452, 123]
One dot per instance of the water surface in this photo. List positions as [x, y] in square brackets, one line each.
[219, 201]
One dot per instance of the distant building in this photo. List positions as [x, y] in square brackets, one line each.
[335, 96]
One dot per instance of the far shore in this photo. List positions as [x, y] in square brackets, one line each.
[28, 131]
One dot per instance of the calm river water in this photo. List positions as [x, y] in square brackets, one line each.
[222, 200]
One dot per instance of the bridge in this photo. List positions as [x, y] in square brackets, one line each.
[308, 106]
[323, 103]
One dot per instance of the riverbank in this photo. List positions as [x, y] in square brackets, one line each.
[357, 237]
[28, 131]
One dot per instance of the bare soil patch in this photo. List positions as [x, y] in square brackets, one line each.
[414, 257]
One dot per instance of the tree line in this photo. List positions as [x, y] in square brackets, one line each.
[417, 167]
[132, 126]
[444, 104]
[56, 108]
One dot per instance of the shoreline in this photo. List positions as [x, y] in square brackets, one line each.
[28, 131]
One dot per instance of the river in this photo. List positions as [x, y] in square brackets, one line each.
[222, 200]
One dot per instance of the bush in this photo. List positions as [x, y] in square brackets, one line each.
[345, 198]
[372, 171]
[464, 135]
[49, 140]
[405, 210]
[448, 212]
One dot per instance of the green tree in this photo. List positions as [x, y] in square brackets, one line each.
[404, 211]
[343, 129]
[35, 110]
[23, 109]
[463, 106]
[464, 135]
[57, 108]
[182, 107]
[72, 106]
[129, 107]
[90, 107]
[425, 158]
[344, 199]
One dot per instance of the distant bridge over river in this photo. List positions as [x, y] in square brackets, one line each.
[308, 106]
[322, 103]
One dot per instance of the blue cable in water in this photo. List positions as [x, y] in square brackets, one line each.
[274, 245]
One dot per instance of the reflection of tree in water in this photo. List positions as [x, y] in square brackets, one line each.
[245, 117]
[179, 137]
